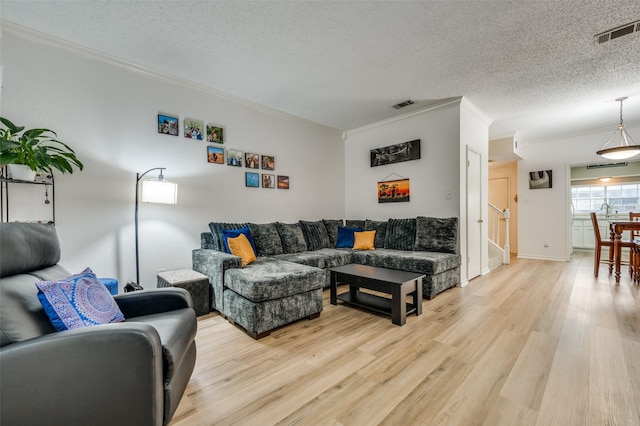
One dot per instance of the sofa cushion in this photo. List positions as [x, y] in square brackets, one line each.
[233, 233]
[292, 237]
[436, 234]
[268, 279]
[332, 229]
[78, 301]
[346, 237]
[315, 234]
[266, 238]
[308, 258]
[216, 230]
[401, 234]
[364, 240]
[354, 223]
[423, 262]
[241, 247]
[336, 257]
[381, 231]
[27, 247]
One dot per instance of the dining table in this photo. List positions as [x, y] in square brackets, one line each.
[617, 227]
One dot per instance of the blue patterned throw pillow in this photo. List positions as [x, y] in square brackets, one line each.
[78, 301]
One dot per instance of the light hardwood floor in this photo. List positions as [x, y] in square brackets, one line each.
[531, 343]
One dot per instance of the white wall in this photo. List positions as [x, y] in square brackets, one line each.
[474, 134]
[431, 177]
[108, 114]
[544, 214]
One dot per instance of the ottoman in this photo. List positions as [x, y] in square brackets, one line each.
[194, 282]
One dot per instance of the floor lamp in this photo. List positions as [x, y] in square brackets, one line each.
[153, 191]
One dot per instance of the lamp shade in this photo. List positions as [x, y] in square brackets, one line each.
[627, 147]
[159, 191]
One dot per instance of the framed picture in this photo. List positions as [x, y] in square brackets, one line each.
[397, 153]
[252, 161]
[193, 129]
[252, 180]
[268, 162]
[283, 182]
[541, 179]
[394, 191]
[268, 181]
[215, 134]
[215, 155]
[234, 158]
[167, 125]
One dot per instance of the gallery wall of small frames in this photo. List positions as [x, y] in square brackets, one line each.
[214, 135]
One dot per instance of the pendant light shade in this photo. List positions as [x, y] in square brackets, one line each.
[627, 147]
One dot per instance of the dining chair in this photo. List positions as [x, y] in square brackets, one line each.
[600, 243]
[634, 217]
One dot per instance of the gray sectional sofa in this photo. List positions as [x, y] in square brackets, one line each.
[285, 283]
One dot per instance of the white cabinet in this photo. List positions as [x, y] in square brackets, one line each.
[582, 231]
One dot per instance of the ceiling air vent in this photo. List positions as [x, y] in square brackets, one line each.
[402, 104]
[605, 166]
[620, 31]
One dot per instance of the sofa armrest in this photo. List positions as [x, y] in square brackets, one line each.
[213, 264]
[103, 375]
[147, 302]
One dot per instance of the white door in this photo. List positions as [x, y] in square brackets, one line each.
[474, 214]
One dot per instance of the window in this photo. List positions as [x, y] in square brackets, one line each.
[621, 198]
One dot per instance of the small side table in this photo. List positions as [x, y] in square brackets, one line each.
[194, 282]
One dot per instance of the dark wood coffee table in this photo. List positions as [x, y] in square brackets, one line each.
[399, 284]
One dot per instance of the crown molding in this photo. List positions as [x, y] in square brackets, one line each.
[19, 31]
[441, 105]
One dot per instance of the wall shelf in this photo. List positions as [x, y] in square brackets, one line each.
[41, 179]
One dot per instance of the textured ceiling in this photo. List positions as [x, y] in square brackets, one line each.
[531, 66]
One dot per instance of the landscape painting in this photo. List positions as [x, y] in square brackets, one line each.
[394, 191]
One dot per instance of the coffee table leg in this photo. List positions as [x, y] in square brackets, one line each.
[417, 297]
[398, 306]
[334, 289]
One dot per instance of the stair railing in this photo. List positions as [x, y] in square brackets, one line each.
[499, 231]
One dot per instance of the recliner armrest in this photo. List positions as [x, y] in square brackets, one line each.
[147, 302]
[103, 375]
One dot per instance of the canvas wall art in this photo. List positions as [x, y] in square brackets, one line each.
[167, 125]
[215, 155]
[234, 158]
[193, 129]
[215, 134]
[252, 180]
[251, 160]
[397, 153]
[541, 179]
[283, 182]
[394, 191]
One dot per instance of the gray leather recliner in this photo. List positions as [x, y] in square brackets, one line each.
[128, 373]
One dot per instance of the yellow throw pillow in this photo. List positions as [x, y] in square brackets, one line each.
[240, 246]
[364, 240]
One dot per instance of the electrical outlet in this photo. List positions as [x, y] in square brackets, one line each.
[546, 243]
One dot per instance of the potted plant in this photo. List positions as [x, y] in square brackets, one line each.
[35, 150]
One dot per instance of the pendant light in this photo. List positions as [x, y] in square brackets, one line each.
[627, 147]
